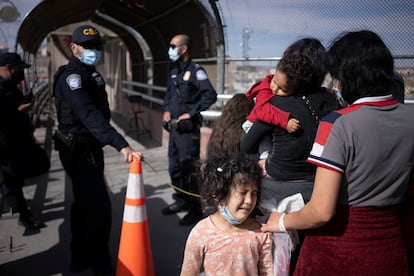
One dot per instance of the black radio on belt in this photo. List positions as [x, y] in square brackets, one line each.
[172, 124]
[184, 126]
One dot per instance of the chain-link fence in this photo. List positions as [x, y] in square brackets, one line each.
[264, 28]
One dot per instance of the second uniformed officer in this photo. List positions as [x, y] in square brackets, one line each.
[84, 128]
[188, 93]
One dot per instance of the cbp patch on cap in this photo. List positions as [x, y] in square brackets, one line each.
[201, 75]
[74, 81]
[89, 31]
[86, 33]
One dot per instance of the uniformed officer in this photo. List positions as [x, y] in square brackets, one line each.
[16, 133]
[189, 92]
[84, 128]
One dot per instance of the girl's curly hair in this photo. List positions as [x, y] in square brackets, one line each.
[219, 173]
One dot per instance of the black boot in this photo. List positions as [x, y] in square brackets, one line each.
[27, 220]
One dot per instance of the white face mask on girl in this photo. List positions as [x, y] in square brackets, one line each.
[90, 57]
[224, 211]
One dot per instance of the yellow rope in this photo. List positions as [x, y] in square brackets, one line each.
[175, 187]
[183, 191]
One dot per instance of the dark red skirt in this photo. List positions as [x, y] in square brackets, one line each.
[357, 241]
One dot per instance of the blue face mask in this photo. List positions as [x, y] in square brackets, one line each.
[90, 57]
[173, 54]
[224, 211]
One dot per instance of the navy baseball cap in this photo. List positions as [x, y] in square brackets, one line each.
[86, 35]
[13, 59]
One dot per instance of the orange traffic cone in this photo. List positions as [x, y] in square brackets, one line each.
[134, 255]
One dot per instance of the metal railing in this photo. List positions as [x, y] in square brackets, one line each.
[41, 99]
[127, 85]
[211, 114]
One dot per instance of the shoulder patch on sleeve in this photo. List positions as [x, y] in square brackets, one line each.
[74, 81]
[201, 74]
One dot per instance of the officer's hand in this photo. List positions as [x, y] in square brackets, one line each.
[128, 153]
[167, 116]
[183, 117]
[139, 155]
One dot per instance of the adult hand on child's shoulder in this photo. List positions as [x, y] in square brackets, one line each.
[272, 224]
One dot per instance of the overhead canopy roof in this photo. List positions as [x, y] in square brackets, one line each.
[155, 20]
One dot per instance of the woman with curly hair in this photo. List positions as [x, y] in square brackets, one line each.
[286, 165]
[287, 172]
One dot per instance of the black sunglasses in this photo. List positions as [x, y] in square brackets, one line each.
[172, 46]
[92, 45]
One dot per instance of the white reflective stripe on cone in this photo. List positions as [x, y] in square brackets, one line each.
[135, 214]
[135, 188]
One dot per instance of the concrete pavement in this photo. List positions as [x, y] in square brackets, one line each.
[47, 252]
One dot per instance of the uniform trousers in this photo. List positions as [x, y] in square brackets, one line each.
[12, 189]
[91, 214]
[183, 151]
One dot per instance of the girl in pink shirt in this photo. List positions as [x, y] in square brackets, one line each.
[229, 241]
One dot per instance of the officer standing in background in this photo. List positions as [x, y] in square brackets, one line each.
[189, 92]
[84, 128]
[16, 131]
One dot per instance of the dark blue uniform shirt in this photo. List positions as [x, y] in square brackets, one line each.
[82, 104]
[195, 92]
